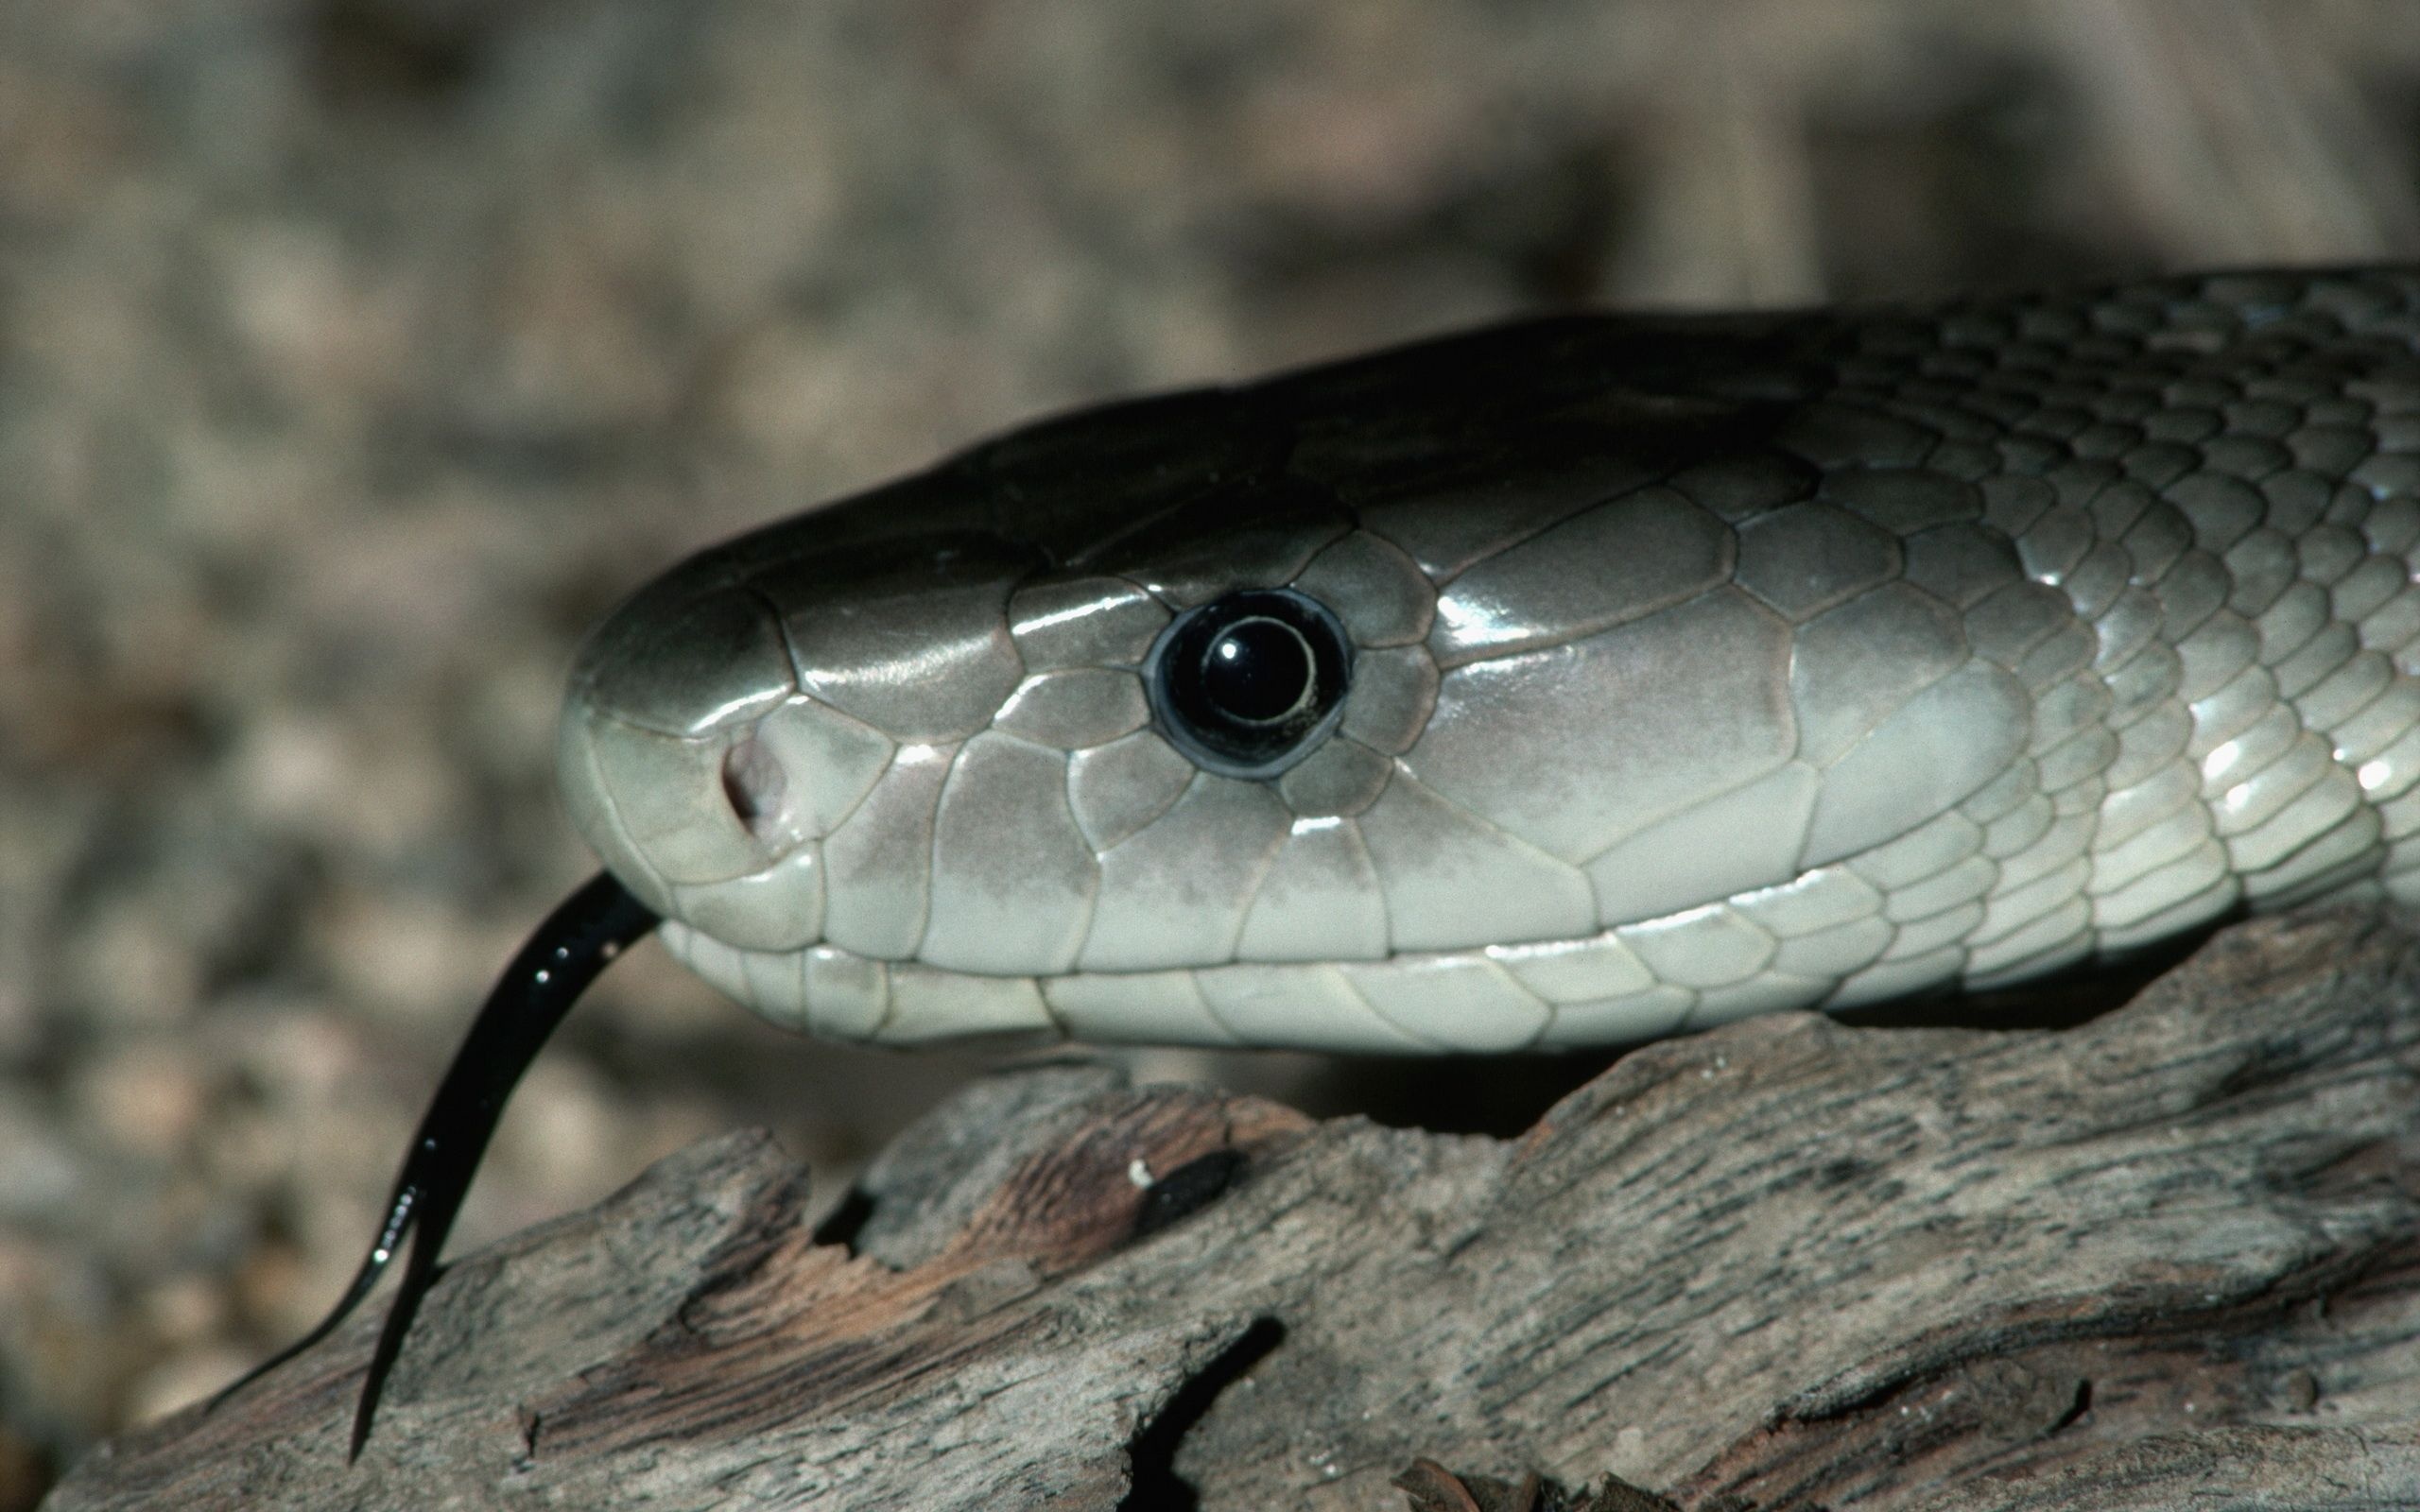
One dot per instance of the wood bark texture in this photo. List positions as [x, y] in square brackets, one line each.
[2167, 1259]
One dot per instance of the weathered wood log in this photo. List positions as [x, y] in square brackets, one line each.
[2169, 1258]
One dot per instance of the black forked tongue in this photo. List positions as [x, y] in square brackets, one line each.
[569, 951]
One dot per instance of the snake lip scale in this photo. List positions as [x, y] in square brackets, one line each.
[1564, 683]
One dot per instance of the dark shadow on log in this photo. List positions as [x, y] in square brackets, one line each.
[2168, 1258]
[1151, 1459]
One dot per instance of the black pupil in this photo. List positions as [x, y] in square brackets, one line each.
[1257, 670]
[1248, 685]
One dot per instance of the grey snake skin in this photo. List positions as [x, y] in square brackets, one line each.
[1699, 666]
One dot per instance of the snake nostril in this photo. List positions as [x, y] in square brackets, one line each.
[754, 784]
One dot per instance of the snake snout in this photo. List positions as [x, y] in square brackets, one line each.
[660, 758]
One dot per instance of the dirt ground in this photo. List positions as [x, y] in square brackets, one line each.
[356, 353]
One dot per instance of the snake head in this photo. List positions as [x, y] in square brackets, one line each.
[1395, 707]
[889, 770]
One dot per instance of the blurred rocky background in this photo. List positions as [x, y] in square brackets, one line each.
[356, 353]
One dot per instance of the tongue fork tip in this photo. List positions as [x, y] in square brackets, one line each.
[561, 958]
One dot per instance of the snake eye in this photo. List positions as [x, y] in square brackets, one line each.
[1246, 686]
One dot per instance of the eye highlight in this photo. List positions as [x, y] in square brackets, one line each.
[1251, 683]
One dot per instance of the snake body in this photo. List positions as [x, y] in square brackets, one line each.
[1699, 666]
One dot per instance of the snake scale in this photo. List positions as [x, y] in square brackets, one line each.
[1565, 683]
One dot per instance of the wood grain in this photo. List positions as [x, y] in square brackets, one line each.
[2163, 1259]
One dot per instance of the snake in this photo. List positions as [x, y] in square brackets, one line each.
[1565, 683]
